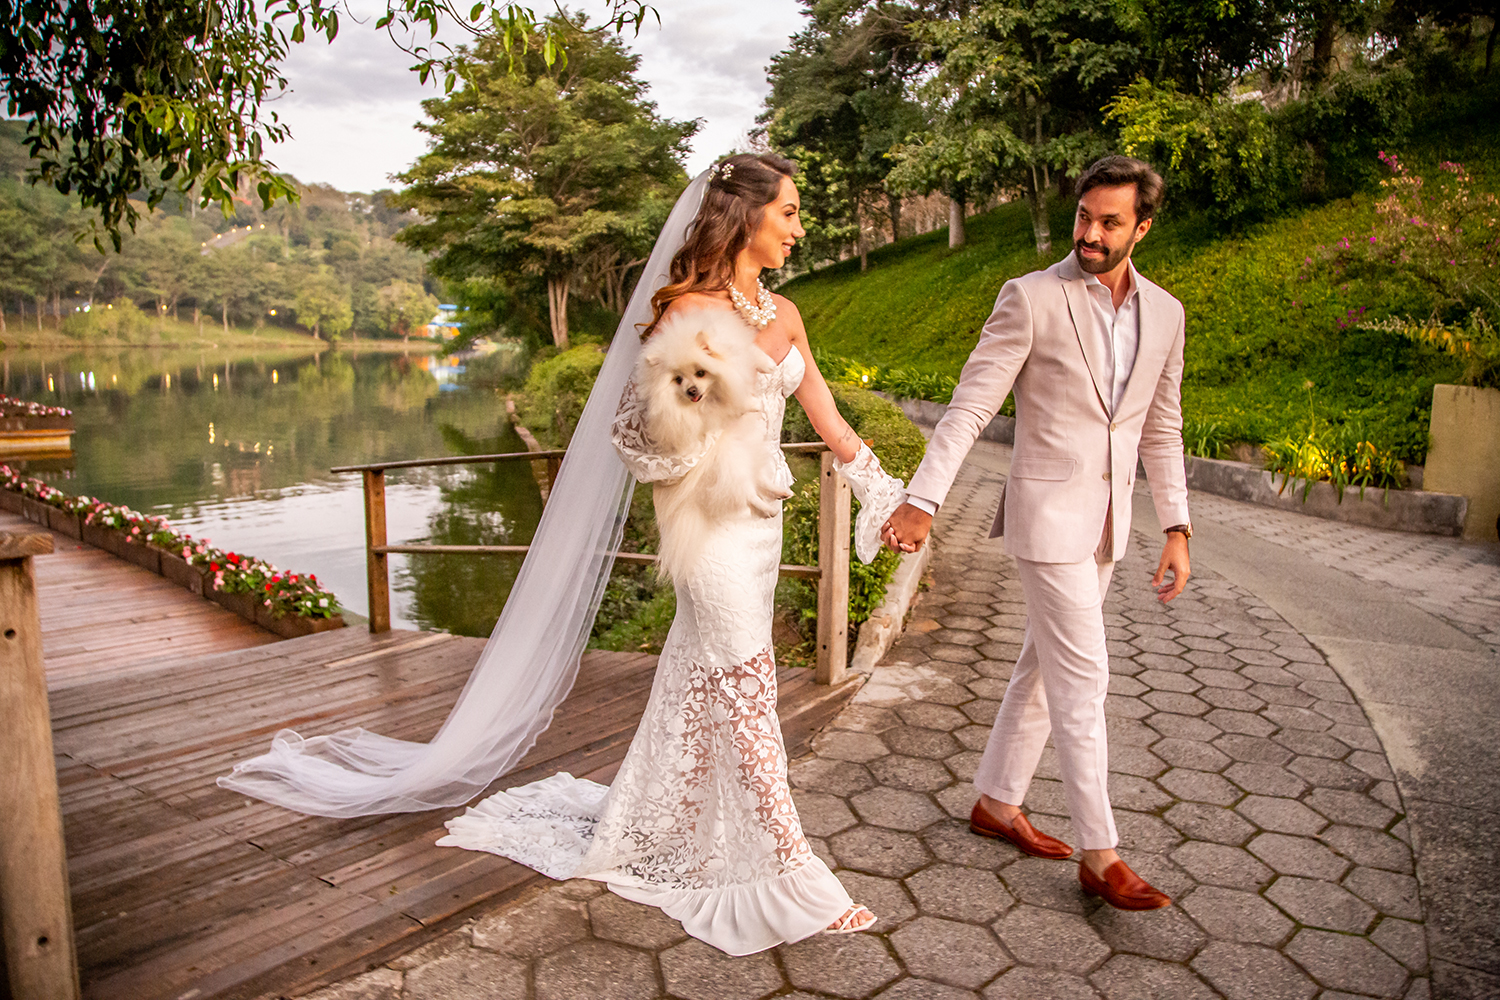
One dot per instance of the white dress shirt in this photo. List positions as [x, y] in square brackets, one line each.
[1118, 330]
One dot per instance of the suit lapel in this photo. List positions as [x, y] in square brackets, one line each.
[1083, 320]
[1150, 351]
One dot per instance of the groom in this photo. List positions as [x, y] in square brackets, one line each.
[1093, 352]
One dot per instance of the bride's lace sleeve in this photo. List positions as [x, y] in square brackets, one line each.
[645, 463]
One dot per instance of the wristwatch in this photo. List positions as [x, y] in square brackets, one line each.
[1186, 530]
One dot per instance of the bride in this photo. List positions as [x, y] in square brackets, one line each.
[699, 820]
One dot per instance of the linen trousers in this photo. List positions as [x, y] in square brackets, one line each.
[1058, 688]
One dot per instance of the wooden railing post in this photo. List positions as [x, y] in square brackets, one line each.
[833, 577]
[379, 578]
[36, 915]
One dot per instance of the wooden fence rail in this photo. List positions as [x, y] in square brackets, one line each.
[831, 573]
[36, 918]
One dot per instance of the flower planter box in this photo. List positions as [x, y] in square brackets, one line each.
[65, 521]
[294, 626]
[241, 604]
[141, 553]
[1465, 454]
[12, 501]
[35, 511]
[184, 574]
[100, 537]
[32, 436]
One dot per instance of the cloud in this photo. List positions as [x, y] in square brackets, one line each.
[354, 104]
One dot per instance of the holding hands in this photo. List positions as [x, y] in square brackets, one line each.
[906, 530]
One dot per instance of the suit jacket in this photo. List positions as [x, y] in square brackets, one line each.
[1068, 497]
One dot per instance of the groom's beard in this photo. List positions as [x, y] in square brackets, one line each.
[1108, 262]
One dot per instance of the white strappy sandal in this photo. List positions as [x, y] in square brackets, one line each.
[850, 922]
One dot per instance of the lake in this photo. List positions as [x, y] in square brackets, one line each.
[235, 447]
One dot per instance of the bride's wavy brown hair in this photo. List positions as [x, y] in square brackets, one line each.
[742, 186]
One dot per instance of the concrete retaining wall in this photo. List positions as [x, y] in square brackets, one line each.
[1416, 511]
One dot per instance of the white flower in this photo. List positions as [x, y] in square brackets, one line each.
[323, 603]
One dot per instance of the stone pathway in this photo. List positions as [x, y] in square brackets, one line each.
[1246, 782]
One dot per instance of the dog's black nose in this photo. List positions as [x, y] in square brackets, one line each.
[693, 392]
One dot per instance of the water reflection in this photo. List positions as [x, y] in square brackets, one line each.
[236, 447]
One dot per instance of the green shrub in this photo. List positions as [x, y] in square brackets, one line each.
[899, 445]
[556, 391]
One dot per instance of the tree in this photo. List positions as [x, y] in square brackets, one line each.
[323, 303]
[1016, 96]
[130, 98]
[403, 306]
[837, 105]
[531, 171]
[227, 275]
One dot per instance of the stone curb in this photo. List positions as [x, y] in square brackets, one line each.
[884, 624]
[1416, 511]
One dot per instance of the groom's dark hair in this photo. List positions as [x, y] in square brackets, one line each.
[1117, 171]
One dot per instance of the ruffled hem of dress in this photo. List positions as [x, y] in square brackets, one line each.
[546, 825]
[745, 919]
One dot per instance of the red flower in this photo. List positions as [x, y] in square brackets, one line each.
[268, 588]
[213, 567]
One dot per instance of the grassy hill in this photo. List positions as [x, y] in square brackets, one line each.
[1261, 323]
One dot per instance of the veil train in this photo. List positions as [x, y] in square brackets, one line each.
[531, 660]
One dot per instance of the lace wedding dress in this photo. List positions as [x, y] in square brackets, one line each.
[699, 820]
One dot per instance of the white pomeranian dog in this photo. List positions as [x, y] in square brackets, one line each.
[696, 376]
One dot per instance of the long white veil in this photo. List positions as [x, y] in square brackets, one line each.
[529, 665]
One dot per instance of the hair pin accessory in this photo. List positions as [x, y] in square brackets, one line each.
[721, 171]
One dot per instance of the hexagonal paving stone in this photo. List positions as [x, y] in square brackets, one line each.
[1166, 934]
[1177, 704]
[1266, 779]
[1404, 941]
[1281, 815]
[473, 973]
[1352, 808]
[1135, 760]
[595, 969]
[957, 954]
[1249, 972]
[545, 923]
[1237, 701]
[1213, 823]
[1168, 680]
[1199, 786]
[1220, 678]
[1244, 723]
[1364, 846]
[1129, 792]
[963, 766]
[941, 717]
[1253, 749]
[884, 896]
[1194, 754]
[1342, 962]
[1051, 940]
[924, 989]
[915, 774]
[1131, 977]
[617, 919]
[839, 744]
[914, 741]
[1216, 864]
[1388, 892]
[879, 852]
[953, 842]
[696, 971]
[959, 893]
[1232, 915]
[896, 809]
[1045, 883]
[1034, 984]
[981, 711]
[1298, 856]
[1309, 744]
[822, 815]
[1176, 726]
[1321, 904]
[836, 777]
[845, 965]
[1144, 832]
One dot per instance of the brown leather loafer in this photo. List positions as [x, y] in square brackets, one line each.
[1025, 836]
[1122, 888]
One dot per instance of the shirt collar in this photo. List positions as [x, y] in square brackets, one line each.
[1132, 289]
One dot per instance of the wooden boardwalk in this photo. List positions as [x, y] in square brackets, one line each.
[182, 890]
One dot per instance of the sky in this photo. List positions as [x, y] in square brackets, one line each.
[353, 103]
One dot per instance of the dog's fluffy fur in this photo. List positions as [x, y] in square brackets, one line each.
[696, 376]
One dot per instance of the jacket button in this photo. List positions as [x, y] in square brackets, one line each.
[1106, 477]
[1114, 427]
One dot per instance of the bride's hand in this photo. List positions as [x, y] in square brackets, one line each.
[906, 530]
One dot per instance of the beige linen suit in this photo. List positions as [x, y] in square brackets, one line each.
[1065, 510]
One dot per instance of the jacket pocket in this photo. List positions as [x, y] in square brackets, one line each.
[1056, 469]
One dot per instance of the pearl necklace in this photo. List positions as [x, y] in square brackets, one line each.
[759, 315]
